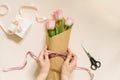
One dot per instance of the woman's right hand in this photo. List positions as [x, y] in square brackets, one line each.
[69, 65]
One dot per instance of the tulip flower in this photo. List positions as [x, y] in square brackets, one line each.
[58, 14]
[68, 23]
[50, 24]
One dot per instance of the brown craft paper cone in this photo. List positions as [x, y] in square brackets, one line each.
[58, 43]
[55, 68]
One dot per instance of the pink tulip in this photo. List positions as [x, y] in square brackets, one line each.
[58, 14]
[50, 24]
[68, 21]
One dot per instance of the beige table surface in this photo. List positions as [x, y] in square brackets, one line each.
[97, 27]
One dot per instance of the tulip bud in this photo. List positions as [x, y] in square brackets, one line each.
[50, 24]
[68, 21]
[58, 14]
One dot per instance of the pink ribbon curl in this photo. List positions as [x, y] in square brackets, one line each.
[36, 59]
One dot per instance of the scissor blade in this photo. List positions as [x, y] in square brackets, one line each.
[86, 51]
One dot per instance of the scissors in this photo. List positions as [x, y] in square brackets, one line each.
[94, 64]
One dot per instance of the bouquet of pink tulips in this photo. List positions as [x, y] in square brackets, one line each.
[58, 24]
[58, 33]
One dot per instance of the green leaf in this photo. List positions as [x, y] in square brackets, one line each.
[51, 33]
[56, 30]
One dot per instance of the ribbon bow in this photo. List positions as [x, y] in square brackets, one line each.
[17, 23]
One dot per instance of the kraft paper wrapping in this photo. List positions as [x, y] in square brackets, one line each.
[58, 43]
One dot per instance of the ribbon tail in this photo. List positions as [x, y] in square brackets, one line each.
[90, 74]
[14, 68]
[24, 64]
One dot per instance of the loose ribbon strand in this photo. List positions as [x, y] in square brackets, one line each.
[32, 7]
[36, 59]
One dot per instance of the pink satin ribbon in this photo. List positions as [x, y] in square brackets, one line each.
[36, 58]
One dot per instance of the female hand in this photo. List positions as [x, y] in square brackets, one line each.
[69, 65]
[44, 64]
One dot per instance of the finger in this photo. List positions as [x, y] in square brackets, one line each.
[46, 55]
[45, 47]
[68, 59]
[74, 58]
[73, 63]
[41, 53]
[45, 52]
[69, 51]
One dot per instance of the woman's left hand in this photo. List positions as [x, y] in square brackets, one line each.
[44, 62]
